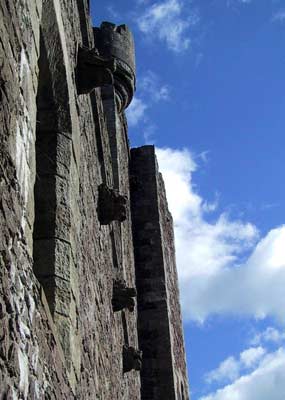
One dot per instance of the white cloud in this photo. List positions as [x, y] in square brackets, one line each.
[230, 368]
[166, 20]
[266, 382]
[222, 268]
[151, 91]
[251, 356]
[270, 334]
[150, 85]
[227, 370]
[136, 111]
[113, 13]
[148, 132]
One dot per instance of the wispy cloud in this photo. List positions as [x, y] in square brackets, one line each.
[204, 155]
[143, 1]
[268, 206]
[256, 373]
[112, 11]
[235, 2]
[150, 92]
[249, 357]
[148, 132]
[168, 21]
[150, 84]
[270, 334]
[279, 16]
[227, 370]
[266, 381]
[224, 267]
[136, 111]
[231, 368]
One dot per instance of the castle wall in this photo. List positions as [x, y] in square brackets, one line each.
[31, 358]
[159, 318]
[50, 349]
[60, 337]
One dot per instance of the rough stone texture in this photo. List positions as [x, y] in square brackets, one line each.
[117, 41]
[163, 374]
[60, 337]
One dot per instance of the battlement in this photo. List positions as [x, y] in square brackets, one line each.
[117, 41]
[106, 25]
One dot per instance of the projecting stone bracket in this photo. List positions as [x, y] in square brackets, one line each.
[93, 70]
[132, 359]
[117, 42]
[112, 206]
[123, 297]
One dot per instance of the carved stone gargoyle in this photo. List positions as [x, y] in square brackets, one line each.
[123, 296]
[93, 70]
[112, 206]
[132, 359]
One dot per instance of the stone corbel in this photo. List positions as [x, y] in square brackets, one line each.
[123, 297]
[93, 70]
[112, 206]
[132, 359]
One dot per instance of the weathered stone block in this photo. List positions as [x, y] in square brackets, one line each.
[52, 257]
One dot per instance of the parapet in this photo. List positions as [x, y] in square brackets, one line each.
[117, 42]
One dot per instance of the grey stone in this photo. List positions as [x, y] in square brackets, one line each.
[93, 70]
[112, 206]
[67, 261]
[117, 42]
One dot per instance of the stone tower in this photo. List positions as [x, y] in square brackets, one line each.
[89, 303]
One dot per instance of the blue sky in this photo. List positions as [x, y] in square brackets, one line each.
[211, 97]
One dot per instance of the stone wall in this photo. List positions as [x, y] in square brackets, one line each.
[31, 356]
[163, 375]
[67, 328]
